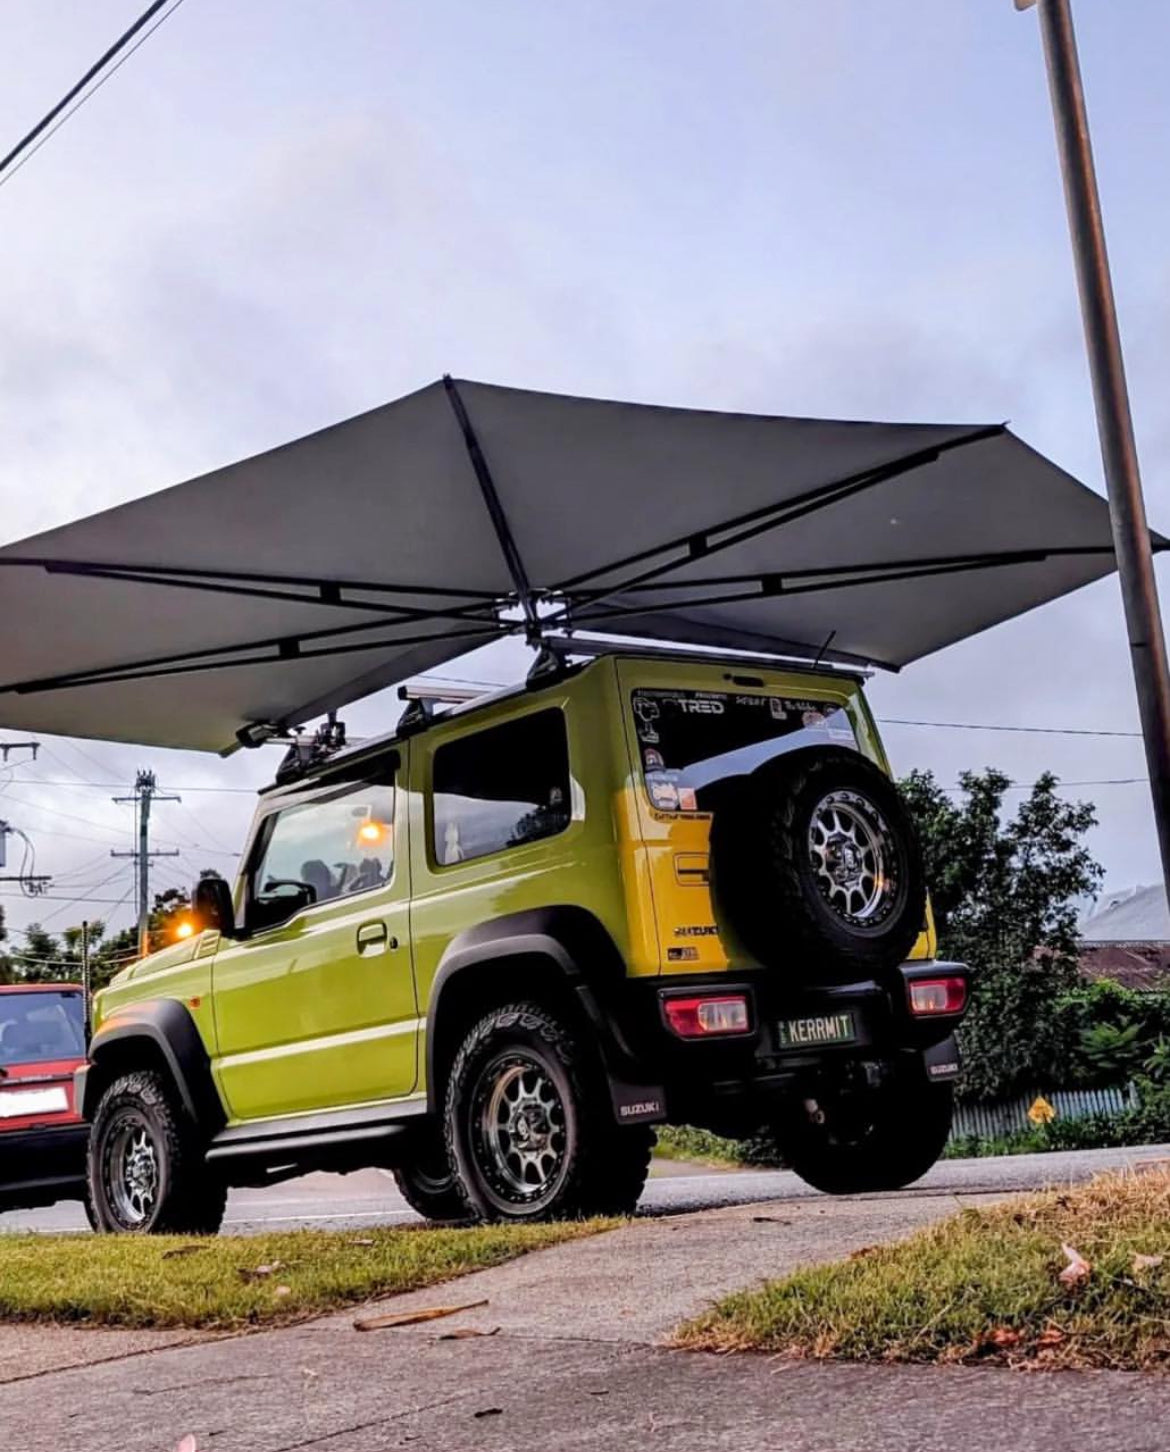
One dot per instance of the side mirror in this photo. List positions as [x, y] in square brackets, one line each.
[211, 904]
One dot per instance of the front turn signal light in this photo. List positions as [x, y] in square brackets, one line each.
[937, 995]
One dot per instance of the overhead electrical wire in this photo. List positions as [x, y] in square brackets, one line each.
[76, 97]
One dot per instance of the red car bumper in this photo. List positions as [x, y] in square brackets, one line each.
[40, 1166]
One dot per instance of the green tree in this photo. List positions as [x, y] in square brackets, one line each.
[6, 974]
[46, 958]
[1005, 892]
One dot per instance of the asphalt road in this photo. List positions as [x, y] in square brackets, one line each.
[567, 1350]
[370, 1197]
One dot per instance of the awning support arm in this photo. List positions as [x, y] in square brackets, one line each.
[759, 521]
[246, 583]
[812, 581]
[286, 648]
[495, 510]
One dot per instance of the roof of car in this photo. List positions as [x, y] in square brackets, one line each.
[374, 746]
[40, 988]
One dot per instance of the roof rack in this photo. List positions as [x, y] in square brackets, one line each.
[555, 649]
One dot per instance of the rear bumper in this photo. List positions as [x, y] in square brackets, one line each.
[39, 1166]
[720, 1080]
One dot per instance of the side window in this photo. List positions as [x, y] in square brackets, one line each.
[337, 845]
[500, 788]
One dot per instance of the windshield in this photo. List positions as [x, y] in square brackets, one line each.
[692, 742]
[38, 1026]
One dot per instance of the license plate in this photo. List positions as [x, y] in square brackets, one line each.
[16, 1103]
[811, 1033]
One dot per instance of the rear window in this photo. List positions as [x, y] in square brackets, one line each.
[692, 743]
[39, 1026]
[501, 788]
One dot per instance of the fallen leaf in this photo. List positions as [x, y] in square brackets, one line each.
[283, 1291]
[466, 1333]
[411, 1318]
[1146, 1262]
[1078, 1268]
[258, 1273]
[1004, 1336]
[489, 1412]
[1049, 1337]
[182, 1250]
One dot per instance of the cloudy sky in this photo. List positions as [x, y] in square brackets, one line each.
[281, 212]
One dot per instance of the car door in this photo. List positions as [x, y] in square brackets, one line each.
[315, 1004]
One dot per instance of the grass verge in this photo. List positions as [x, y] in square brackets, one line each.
[698, 1146]
[982, 1285]
[235, 1281]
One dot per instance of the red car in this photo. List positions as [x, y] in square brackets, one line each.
[42, 1137]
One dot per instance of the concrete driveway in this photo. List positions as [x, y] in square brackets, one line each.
[576, 1358]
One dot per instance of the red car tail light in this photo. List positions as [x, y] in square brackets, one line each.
[697, 1018]
[937, 995]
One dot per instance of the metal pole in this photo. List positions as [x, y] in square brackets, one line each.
[86, 981]
[145, 791]
[1127, 511]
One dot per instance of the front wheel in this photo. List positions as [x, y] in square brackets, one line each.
[880, 1139]
[530, 1129]
[146, 1172]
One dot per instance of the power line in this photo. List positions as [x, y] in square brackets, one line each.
[93, 761]
[988, 726]
[105, 786]
[1027, 786]
[53, 120]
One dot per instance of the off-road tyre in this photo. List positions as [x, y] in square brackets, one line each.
[594, 1165]
[427, 1183]
[771, 887]
[138, 1113]
[908, 1125]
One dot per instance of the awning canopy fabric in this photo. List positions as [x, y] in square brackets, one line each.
[291, 583]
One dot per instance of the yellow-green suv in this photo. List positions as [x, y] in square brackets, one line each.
[492, 951]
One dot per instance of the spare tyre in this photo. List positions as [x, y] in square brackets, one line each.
[816, 867]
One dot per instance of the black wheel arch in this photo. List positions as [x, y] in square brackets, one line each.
[563, 954]
[158, 1033]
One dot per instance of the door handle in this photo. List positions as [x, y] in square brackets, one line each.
[374, 938]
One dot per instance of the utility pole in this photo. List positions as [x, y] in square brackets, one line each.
[145, 792]
[31, 884]
[7, 747]
[1127, 510]
[29, 881]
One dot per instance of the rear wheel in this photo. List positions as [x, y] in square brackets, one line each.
[880, 1139]
[427, 1183]
[146, 1171]
[530, 1128]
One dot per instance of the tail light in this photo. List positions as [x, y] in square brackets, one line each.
[937, 995]
[698, 1018]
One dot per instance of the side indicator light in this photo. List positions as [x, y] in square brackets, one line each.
[937, 995]
[695, 1018]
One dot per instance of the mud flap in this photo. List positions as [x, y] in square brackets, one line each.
[638, 1103]
[942, 1061]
